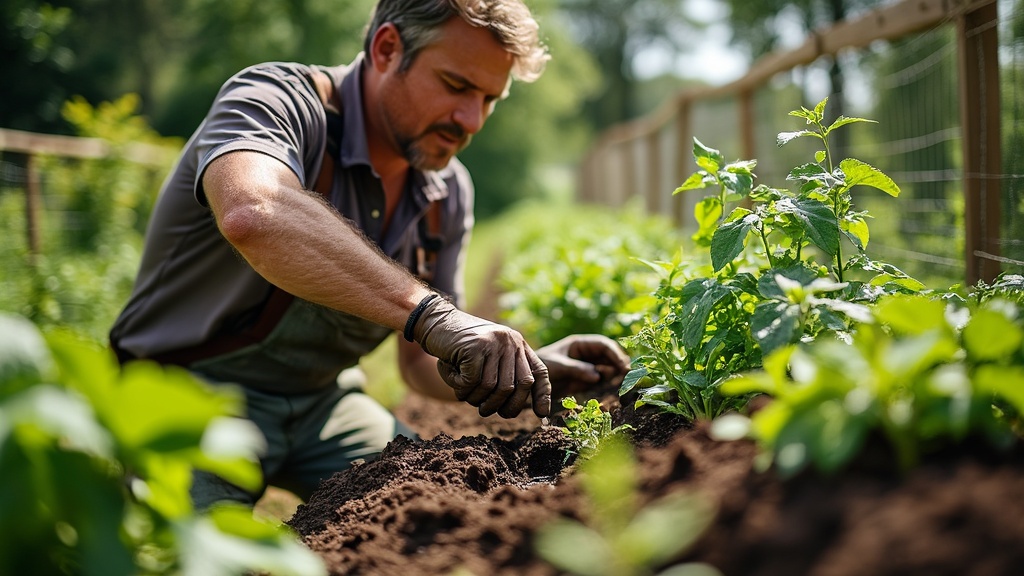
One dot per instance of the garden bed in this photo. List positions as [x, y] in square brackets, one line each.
[472, 497]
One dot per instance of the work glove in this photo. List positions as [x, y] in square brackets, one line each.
[488, 365]
[580, 362]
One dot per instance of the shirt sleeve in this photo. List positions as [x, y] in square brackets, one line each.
[268, 108]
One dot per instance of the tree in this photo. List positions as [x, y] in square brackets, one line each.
[615, 32]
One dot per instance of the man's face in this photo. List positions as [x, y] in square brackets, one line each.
[433, 108]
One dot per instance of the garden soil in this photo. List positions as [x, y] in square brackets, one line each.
[469, 497]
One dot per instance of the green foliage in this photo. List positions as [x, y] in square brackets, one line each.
[584, 279]
[96, 463]
[621, 538]
[91, 231]
[764, 288]
[588, 426]
[926, 374]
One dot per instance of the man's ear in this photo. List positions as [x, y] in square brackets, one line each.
[386, 47]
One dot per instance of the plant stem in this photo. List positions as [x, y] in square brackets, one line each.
[835, 202]
[767, 248]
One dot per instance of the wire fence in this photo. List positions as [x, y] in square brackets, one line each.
[944, 82]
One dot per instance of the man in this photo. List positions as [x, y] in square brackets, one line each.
[250, 277]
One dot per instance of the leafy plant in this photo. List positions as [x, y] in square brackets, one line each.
[96, 464]
[926, 374]
[620, 538]
[588, 425]
[764, 289]
[586, 279]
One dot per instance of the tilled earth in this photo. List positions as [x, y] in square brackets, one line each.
[470, 498]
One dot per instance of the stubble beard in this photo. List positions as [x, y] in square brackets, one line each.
[413, 150]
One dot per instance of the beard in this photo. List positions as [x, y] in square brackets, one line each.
[416, 153]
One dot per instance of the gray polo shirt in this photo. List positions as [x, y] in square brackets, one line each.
[192, 284]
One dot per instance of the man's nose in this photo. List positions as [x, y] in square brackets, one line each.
[471, 114]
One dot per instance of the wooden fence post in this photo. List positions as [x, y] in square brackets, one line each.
[33, 202]
[978, 39]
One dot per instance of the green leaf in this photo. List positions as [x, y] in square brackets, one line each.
[775, 325]
[707, 158]
[698, 313]
[807, 172]
[911, 314]
[707, 212]
[231, 541]
[856, 229]
[862, 174]
[632, 377]
[573, 547]
[727, 242]
[786, 137]
[843, 121]
[741, 167]
[665, 528]
[817, 219]
[739, 183]
[24, 356]
[820, 156]
[990, 335]
[819, 109]
[695, 181]
[1004, 381]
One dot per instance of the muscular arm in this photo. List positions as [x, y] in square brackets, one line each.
[294, 240]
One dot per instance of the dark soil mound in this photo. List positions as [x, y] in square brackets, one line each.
[436, 506]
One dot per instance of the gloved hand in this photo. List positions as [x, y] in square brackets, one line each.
[579, 362]
[488, 365]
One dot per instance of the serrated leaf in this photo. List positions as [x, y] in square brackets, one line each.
[807, 172]
[739, 183]
[843, 121]
[697, 317]
[862, 174]
[819, 108]
[818, 220]
[786, 137]
[707, 212]
[741, 167]
[694, 182]
[701, 151]
[775, 325]
[856, 229]
[728, 241]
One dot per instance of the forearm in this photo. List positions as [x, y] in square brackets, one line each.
[419, 371]
[300, 244]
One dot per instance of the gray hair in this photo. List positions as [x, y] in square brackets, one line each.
[418, 23]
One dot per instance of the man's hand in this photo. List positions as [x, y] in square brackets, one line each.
[488, 365]
[579, 362]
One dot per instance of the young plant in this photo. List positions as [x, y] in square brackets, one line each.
[764, 289]
[588, 426]
[926, 374]
[620, 538]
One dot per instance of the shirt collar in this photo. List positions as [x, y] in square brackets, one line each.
[428, 186]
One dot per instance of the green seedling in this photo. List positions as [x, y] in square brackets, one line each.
[588, 426]
[620, 538]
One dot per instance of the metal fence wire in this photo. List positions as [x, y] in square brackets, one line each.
[949, 132]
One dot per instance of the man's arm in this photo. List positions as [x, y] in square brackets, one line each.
[300, 244]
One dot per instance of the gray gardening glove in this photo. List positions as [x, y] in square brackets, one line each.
[581, 361]
[488, 365]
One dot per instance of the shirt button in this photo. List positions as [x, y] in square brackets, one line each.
[375, 213]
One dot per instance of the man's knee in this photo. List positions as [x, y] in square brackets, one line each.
[209, 489]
